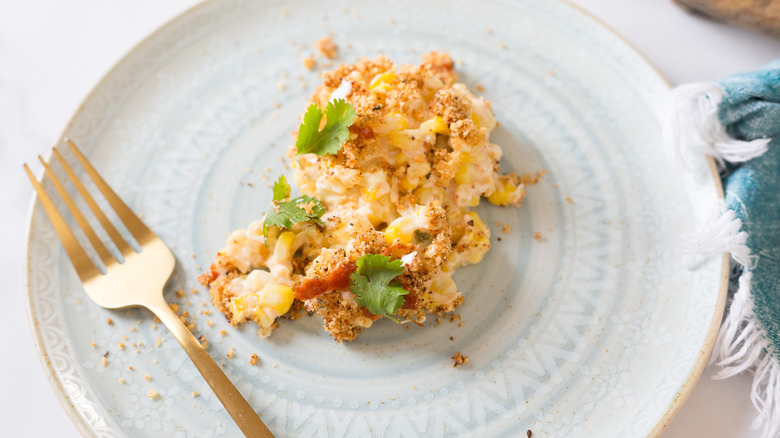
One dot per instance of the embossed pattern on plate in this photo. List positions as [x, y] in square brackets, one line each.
[594, 330]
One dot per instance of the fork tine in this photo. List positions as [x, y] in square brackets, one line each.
[84, 266]
[137, 228]
[119, 241]
[105, 256]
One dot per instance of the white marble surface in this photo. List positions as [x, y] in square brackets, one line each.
[52, 53]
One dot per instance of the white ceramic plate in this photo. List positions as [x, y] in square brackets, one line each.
[594, 330]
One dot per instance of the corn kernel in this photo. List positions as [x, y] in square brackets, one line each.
[383, 81]
[399, 229]
[444, 285]
[426, 195]
[477, 222]
[436, 124]
[263, 319]
[444, 290]
[479, 235]
[369, 194]
[475, 118]
[364, 322]
[396, 122]
[468, 158]
[283, 247]
[403, 139]
[505, 193]
[453, 262]
[278, 297]
[256, 279]
[271, 236]
[463, 175]
[408, 184]
[242, 303]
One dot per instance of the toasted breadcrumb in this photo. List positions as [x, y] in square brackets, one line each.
[195, 393]
[109, 321]
[459, 359]
[152, 394]
[253, 359]
[308, 62]
[327, 47]
[230, 353]
[538, 236]
[506, 228]
[529, 178]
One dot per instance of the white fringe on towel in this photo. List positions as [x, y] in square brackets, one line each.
[692, 121]
[742, 345]
[722, 233]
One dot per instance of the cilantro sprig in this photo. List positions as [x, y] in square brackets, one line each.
[281, 189]
[374, 286]
[285, 214]
[339, 117]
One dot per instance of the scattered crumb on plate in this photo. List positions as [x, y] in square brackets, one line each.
[327, 47]
[459, 359]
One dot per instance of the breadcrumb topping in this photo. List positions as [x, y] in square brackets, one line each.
[459, 359]
[327, 47]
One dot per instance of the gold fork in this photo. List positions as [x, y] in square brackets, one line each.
[139, 280]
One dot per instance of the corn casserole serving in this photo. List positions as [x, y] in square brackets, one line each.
[388, 179]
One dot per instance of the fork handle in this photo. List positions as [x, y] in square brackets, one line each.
[238, 408]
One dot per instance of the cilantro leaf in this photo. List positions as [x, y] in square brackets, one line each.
[339, 117]
[373, 285]
[287, 214]
[281, 189]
